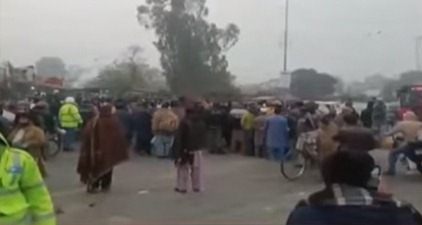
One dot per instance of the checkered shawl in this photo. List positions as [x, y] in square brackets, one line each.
[345, 195]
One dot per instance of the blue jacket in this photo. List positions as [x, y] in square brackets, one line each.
[277, 132]
[351, 215]
[125, 119]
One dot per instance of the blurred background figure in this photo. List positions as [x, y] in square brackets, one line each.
[354, 137]
[142, 126]
[122, 113]
[5, 124]
[366, 115]
[215, 120]
[379, 116]
[409, 128]
[247, 123]
[259, 134]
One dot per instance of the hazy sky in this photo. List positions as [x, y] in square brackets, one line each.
[348, 38]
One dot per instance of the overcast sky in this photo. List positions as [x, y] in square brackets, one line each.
[348, 38]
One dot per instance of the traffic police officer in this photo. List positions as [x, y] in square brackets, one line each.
[24, 198]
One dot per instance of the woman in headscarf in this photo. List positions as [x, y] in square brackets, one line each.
[103, 146]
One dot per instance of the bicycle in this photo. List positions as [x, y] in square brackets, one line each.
[303, 157]
[54, 145]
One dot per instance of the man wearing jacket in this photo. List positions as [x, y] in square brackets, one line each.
[24, 198]
[70, 120]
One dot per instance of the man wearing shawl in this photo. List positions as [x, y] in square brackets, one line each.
[103, 146]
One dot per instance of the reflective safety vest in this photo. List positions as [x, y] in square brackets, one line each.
[69, 116]
[24, 198]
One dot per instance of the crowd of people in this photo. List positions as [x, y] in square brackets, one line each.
[104, 131]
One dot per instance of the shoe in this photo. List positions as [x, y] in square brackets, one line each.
[180, 191]
[197, 190]
[105, 189]
[91, 189]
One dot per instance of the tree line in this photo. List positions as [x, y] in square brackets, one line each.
[192, 57]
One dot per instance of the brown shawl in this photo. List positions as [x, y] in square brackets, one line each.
[35, 140]
[103, 147]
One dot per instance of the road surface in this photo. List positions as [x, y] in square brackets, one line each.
[239, 190]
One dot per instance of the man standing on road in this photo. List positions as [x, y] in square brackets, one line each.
[366, 115]
[215, 127]
[164, 125]
[259, 131]
[104, 146]
[277, 135]
[190, 140]
[247, 123]
[70, 120]
[379, 116]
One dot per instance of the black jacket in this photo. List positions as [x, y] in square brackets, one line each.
[191, 136]
[366, 117]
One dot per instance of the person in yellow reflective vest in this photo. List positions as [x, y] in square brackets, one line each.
[70, 119]
[24, 198]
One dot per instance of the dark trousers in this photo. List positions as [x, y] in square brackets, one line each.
[215, 139]
[260, 151]
[104, 182]
[143, 143]
[248, 143]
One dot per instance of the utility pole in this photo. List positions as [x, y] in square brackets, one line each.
[418, 46]
[286, 35]
[285, 75]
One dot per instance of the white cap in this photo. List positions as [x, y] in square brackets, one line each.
[69, 100]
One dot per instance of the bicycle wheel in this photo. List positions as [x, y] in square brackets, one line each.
[53, 148]
[294, 165]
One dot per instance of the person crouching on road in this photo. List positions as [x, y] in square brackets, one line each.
[25, 135]
[104, 145]
[189, 142]
[70, 120]
[351, 196]
[24, 198]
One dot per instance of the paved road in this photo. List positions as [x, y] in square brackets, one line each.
[239, 190]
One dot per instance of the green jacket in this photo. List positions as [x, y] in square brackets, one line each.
[23, 189]
[69, 116]
[247, 122]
